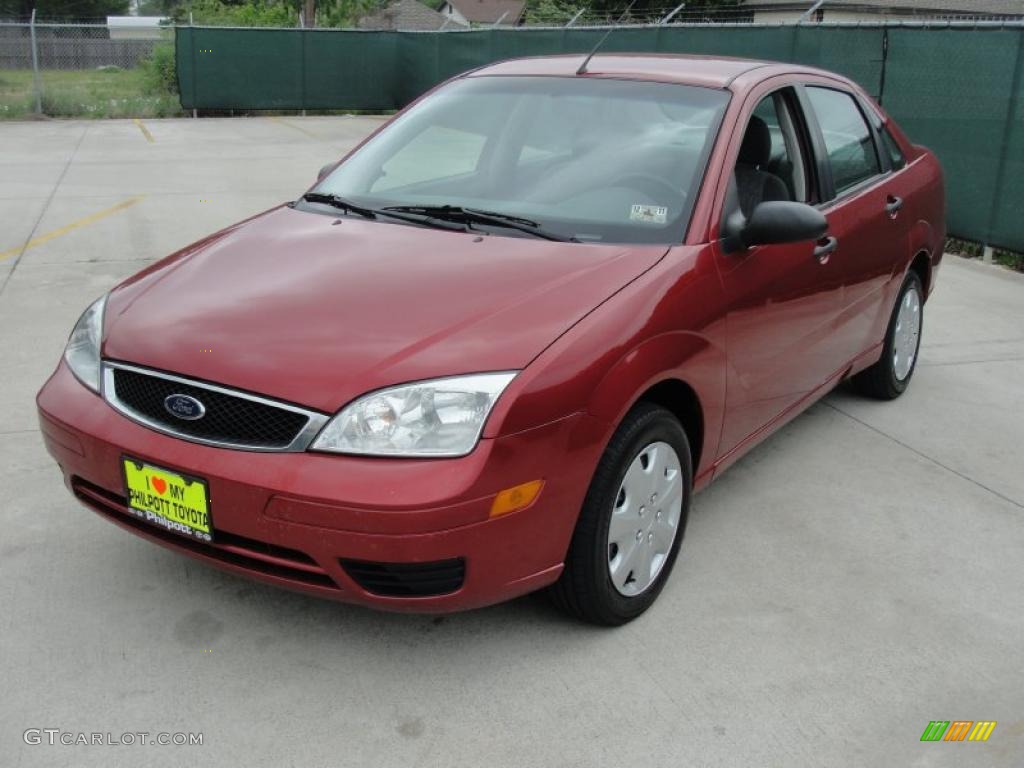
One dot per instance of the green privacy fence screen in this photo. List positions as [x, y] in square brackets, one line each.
[956, 89]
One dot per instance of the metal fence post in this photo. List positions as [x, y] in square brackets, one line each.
[885, 63]
[192, 53]
[35, 64]
[302, 68]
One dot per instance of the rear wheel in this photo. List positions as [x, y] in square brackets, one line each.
[632, 522]
[888, 378]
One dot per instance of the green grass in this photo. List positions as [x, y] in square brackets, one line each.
[88, 93]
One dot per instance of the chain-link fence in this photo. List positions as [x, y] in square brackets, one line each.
[672, 13]
[68, 70]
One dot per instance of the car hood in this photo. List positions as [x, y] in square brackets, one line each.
[318, 310]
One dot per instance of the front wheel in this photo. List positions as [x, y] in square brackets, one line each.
[632, 522]
[888, 378]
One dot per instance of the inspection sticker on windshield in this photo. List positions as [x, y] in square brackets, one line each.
[652, 214]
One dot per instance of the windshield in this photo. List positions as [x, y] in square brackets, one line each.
[597, 160]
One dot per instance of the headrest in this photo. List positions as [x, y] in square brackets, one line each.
[757, 143]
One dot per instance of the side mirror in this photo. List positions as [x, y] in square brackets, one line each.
[772, 223]
[325, 170]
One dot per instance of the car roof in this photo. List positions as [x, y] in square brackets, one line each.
[706, 71]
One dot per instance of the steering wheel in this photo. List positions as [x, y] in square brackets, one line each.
[652, 186]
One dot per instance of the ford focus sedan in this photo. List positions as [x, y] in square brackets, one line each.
[499, 346]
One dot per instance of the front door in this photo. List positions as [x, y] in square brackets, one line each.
[783, 299]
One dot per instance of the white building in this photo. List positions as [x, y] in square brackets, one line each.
[137, 27]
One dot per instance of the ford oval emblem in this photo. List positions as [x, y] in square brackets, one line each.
[184, 407]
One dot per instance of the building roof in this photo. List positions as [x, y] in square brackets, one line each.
[489, 11]
[403, 14]
[964, 7]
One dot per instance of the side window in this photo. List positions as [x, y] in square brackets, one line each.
[771, 164]
[890, 148]
[893, 149]
[848, 141]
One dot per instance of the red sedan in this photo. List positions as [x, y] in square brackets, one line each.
[499, 346]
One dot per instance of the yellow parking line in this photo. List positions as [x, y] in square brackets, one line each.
[90, 219]
[144, 129]
[294, 127]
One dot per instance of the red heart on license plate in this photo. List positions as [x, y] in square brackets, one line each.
[159, 485]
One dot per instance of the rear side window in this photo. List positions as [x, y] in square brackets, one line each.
[848, 140]
[890, 147]
[893, 149]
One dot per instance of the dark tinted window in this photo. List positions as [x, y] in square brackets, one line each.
[848, 140]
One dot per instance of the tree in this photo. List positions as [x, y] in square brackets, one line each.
[236, 14]
[549, 11]
[345, 13]
[268, 13]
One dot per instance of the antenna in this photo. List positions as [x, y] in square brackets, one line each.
[583, 67]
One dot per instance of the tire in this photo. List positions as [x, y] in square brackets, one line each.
[586, 589]
[889, 377]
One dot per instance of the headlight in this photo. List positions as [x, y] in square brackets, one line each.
[82, 353]
[442, 417]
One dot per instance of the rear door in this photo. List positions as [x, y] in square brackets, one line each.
[863, 199]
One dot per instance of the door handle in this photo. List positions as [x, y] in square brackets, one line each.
[825, 248]
[893, 205]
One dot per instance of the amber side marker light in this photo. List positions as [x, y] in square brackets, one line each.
[515, 498]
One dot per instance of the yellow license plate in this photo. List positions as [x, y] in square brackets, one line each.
[168, 499]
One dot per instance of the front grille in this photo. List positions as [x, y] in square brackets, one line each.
[232, 419]
[407, 579]
[230, 548]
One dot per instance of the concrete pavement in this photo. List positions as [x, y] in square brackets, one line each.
[856, 576]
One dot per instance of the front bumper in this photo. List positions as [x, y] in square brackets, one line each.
[328, 525]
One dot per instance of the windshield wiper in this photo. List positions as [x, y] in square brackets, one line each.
[476, 216]
[341, 203]
[336, 201]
